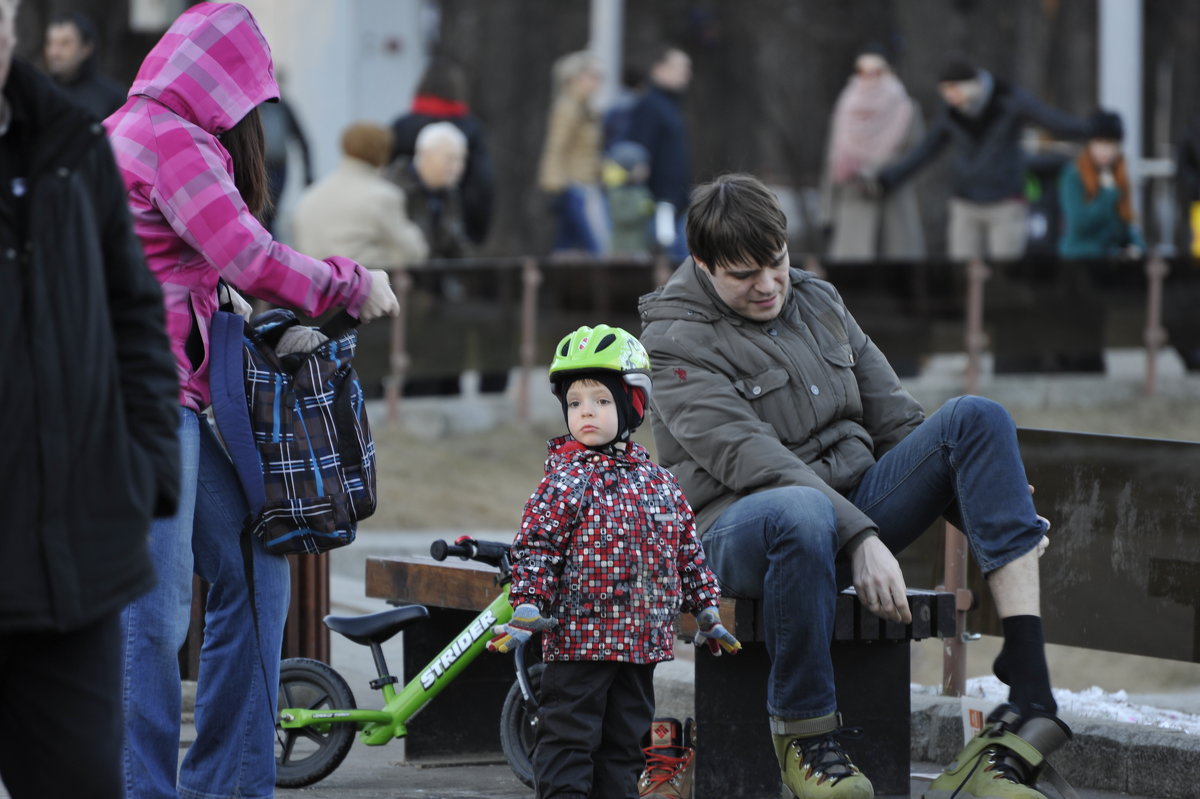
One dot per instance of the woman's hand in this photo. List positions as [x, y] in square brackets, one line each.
[381, 301]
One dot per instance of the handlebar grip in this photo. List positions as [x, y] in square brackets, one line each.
[440, 550]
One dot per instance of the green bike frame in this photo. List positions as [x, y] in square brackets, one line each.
[377, 727]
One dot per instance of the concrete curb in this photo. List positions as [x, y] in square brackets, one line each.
[1110, 755]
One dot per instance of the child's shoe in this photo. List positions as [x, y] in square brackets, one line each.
[1004, 760]
[670, 760]
[812, 764]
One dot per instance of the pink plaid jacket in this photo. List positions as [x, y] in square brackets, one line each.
[206, 73]
[608, 548]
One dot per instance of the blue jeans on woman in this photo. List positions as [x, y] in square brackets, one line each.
[234, 751]
[781, 545]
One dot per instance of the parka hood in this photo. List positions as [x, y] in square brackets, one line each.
[212, 67]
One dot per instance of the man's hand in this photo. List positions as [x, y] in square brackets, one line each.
[526, 621]
[879, 581]
[712, 633]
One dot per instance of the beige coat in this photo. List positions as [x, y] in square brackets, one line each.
[571, 153]
[356, 212]
[740, 407]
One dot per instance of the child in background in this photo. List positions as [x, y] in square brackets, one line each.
[605, 559]
[1096, 199]
[630, 203]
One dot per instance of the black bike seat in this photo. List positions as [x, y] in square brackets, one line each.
[376, 627]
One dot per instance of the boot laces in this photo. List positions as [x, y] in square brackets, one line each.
[663, 764]
[824, 753]
[1006, 765]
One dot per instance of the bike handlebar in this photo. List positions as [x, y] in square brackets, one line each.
[492, 553]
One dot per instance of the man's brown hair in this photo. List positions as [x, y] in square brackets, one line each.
[735, 220]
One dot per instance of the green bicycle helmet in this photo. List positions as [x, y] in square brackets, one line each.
[611, 356]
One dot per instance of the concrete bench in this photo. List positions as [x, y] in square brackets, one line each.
[734, 754]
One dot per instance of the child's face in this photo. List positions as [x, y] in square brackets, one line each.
[591, 413]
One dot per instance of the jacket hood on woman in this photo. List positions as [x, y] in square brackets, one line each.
[209, 70]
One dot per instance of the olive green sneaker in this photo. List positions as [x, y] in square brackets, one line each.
[1005, 760]
[812, 764]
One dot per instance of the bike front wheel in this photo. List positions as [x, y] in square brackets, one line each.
[518, 726]
[305, 755]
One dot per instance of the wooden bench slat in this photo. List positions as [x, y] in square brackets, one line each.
[459, 585]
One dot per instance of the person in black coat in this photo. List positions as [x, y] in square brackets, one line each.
[70, 54]
[88, 409]
[656, 122]
[441, 96]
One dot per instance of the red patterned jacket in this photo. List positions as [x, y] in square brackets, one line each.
[608, 547]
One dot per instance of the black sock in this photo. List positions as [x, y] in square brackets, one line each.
[1021, 665]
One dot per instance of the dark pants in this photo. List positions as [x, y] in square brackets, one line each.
[60, 713]
[591, 722]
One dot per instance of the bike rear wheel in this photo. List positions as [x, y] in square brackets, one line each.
[518, 726]
[305, 755]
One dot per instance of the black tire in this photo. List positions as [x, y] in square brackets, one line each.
[306, 755]
[518, 726]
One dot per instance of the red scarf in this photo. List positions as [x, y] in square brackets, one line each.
[432, 106]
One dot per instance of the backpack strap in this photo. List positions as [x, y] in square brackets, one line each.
[227, 382]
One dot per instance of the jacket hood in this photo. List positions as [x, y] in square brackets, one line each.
[64, 131]
[689, 295]
[564, 449]
[212, 67]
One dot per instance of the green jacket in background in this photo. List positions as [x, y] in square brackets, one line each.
[805, 399]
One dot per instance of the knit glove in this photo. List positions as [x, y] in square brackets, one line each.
[712, 633]
[526, 621]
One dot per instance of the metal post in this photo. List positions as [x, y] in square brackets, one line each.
[398, 357]
[975, 338]
[1155, 334]
[531, 278]
[954, 652]
[607, 18]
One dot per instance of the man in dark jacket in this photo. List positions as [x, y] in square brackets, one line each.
[808, 465]
[430, 183]
[87, 419]
[70, 55]
[983, 117]
[656, 122]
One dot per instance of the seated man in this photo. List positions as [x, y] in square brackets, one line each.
[800, 451]
[431, 183]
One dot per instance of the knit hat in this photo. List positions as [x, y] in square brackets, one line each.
[1106, 125]
[957, 68]
[629, 155]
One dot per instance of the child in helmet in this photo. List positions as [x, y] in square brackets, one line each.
[605, 559]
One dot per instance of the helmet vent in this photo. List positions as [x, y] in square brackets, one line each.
[566, 349]
[605, 342]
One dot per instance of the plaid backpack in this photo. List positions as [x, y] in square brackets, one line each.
[296, 430]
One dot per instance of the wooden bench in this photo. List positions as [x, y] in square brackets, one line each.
[871, 660]
[734, 753]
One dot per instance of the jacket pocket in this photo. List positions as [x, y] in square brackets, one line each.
[760, 385]
[840, 354]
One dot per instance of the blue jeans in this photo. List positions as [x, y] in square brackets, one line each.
[234, 752]
[583, 224]
[780, 545]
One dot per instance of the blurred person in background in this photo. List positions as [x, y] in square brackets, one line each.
[70, 55]
[189, 144]
[983, 117]
[281, 128]
[630, 203]
[441, 96]
[569, 170]
[874, 121]
[657, 124]
[87, 424]
[430, 181]
[1093, 191]
[355, 211]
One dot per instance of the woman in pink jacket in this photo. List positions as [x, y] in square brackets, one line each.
[189, 145]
